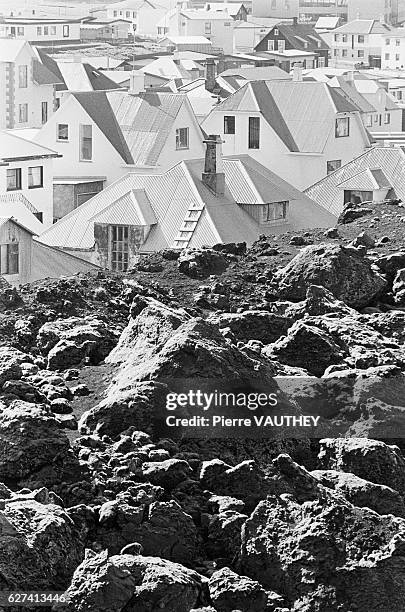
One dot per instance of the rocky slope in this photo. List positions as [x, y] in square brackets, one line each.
[93, 501]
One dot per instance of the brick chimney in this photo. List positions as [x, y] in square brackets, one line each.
[213, 176]
[210, 75]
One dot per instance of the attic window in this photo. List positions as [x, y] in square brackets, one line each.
[276, 211]
[276, 32]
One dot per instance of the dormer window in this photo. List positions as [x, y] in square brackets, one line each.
[275, 211]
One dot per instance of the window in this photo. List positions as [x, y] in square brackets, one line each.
[46, 31]
[397, 57]
[369, 122]
[344, 52]
[65, 31]
[22, 113]
[342, 127]
[387, 56]
[275, 211]
[9, 256]
[53, 30]
[336, 37]
[281, 46]
[44, 112]
[387, 118]
[344, 38]
[360, 53]
[119, 244]
[62, 131]
[333, 165]
[20, 31]
[39, 31]
[397, 42]
[360, 39]
[128, 14]
[254, 133]
[387, 41]
[182, 138]
[270, 45]
[229, 124]
[276, 32]
[57, 103]
[207, 27]
[13, 179]
[35, 177]
[115, 13]
[86, 142]
[399, 95]
[23, 76]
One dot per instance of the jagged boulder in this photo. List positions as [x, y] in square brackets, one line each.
[132, 583]
[39, 546]
[325, 554]
[31, 440]
[201, 263]
[391, 263]
[10, 363]
[363, 493]
[318, 302]
[369, 459]
[230, 592]
[167, 474]
[254, 325]
[68, 342]
[398, 287]
[163, 530]
[348, 276]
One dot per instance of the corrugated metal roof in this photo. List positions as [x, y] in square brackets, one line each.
[363, 26]
[367, 180]
[49, 262]
[391, 160]
[20, 209]
[133, 208]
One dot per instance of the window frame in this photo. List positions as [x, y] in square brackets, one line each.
[11, 250]
[23, 76]
[66, 30]
[44, 112]
[82, 139]
[23, 107]
[179, 145]
[339, 121]
[229, 124]
[31, 184]
[271, 207]
[18, 181]
[58, 132]
[118, 245]
[335, 162]
[254, 139]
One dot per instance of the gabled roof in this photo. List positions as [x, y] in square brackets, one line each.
[232, 8]
[14, 147]
[389, 160]
[137, 126]
[367, 180]
[4, 220]
[167, 200]
[327, 23]
[363, 26]
[350, 93]
[255, 73]
[301, 113]
[16, 206]
[43, 76]
[300, 36]
[187, 40]
[201, 15]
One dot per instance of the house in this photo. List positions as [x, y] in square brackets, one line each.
[26, 172]
[377, 174]
[142, 14]
[357, 42]
[393, 50]
[196, 202]
[379, 110]
[73, 74]
[279, 9]
[27, 88]
[296, 37]
[106, 29]
[246, 35]
[41, 30]
[200, 44]
[25, 260]
[298, 129]
[286, 60]
[236, 10]
[103, 135]
[309, 11]
[216, 26]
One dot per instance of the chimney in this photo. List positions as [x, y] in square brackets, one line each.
[297, 72]
[136, 82]
[210, 75]
[213, 176]
[295, 21]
